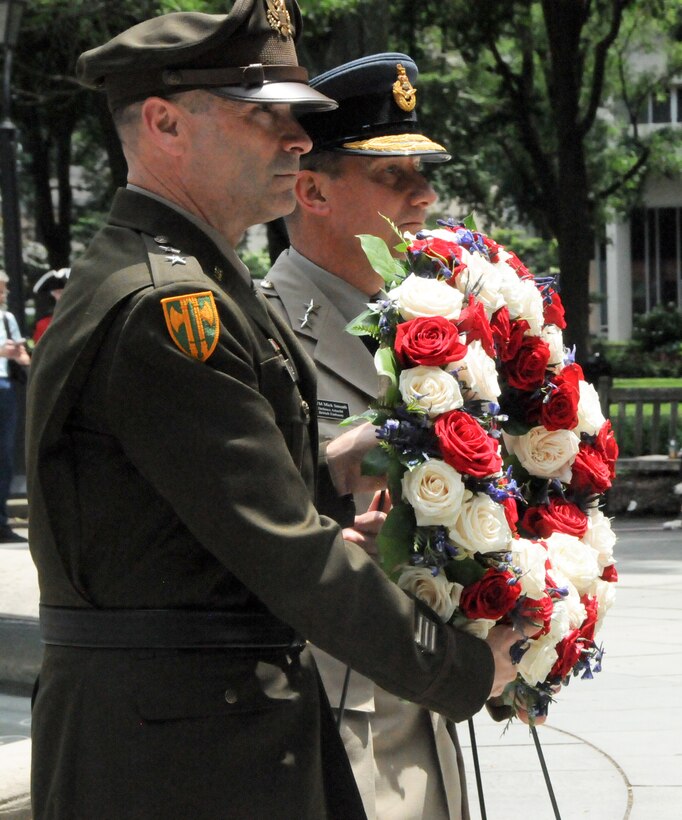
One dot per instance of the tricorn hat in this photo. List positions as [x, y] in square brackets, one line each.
[248, 54]
[377, 113]
[52, 280]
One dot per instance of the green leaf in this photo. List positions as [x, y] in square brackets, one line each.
[395, 539]
[376, 462]
[386, 364]
[464, 572]
[387, 370]
[380, 258]
[515, 427]
[469, 222]
[394, 477]
[369, 415]
[363, 325]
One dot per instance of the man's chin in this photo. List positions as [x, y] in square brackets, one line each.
[281, 203]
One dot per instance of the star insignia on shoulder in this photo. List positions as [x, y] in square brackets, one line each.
[310, 310]
[175, 259]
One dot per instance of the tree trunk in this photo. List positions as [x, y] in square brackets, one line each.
[564, 21]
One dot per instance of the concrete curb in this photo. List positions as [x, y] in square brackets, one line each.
[15, 774]
[20, 649]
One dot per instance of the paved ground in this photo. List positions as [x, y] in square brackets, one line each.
[613, 745]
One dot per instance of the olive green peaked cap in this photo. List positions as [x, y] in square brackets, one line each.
[248, 54]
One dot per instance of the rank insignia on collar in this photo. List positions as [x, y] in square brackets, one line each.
[193, 323]
[310, 310]
[278, 18]
[404, 93]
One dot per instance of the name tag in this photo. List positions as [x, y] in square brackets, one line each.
[335, 410]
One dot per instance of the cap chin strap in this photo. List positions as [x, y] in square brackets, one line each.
[250, 76]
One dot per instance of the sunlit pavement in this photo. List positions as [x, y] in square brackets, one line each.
[612, 745]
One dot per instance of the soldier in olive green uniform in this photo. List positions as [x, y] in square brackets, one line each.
[172, 467]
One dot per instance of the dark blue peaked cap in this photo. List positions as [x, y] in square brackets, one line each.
[377, 113]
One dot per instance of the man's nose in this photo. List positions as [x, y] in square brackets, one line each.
[423, 193]
[295, 137]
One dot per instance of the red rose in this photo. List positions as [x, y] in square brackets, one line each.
[538, 613]
[511, 512]
[554, 311]
[492, 246]
[466, 446]
[560, 410]
[517, 265]
[591, 472]
[556, 516]
[428, 340]
[500, 324]
[438, 248]
[568, 650]
[492, 597]
[592, 609]
[474, 322]
[526, 369]
[608, 447]
[610, 574]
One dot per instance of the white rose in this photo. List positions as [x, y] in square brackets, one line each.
[538, 660]
[482, 525]
[479, 627]
[577, 561]
[430, 388]
[545, 453]
[590, 416]
[524, 301]
[570, 610]
[481, 278]
[531, 557]
[554, 338]
[435, 491]
[434, 591]
[418, 296]
[477, 372]
[605, 593]
[560, 622]
[600, 536]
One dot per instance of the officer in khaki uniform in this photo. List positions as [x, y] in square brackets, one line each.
[172, 468]
[366, 154]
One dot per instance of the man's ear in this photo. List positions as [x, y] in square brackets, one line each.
[311, 192]
[161, 119]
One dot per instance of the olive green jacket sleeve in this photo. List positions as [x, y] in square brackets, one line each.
[210, 462]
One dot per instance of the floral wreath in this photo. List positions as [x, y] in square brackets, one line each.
[497, 453]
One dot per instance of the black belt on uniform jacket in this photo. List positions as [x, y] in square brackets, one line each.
[164, 629]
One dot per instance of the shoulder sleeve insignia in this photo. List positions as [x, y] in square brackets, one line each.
[193, 323]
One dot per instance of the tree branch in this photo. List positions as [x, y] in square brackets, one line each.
[601, 52]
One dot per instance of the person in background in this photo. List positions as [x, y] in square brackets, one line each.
[172, 465]
[52, 282]
[13, 358]
[366, 164]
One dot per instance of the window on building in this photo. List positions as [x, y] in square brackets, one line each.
[660, 107]
[656, 235]
[664, 106]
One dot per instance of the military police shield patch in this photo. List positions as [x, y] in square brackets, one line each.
[192, 321]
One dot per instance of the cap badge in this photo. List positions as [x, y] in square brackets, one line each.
[193, 323]
[278, 18]
[404, 93]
